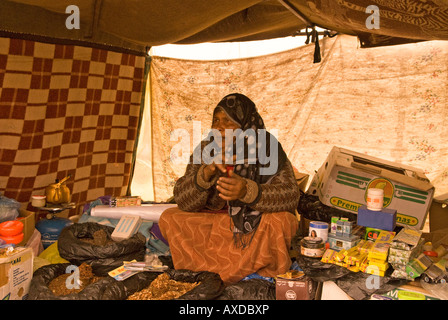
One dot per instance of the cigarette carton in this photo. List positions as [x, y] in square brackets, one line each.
[16, 272]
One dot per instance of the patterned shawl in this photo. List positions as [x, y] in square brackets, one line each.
[256, 160]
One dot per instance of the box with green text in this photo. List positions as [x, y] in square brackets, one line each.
[344, 178]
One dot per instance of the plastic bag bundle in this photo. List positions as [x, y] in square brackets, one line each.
[210, 285]
[9, 209]
[103, 258]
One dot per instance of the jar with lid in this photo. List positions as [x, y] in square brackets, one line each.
[313, 247]
[38, 201]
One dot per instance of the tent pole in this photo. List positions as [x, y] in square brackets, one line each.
[295, 11]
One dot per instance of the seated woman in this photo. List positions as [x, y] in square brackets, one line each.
[239, 221]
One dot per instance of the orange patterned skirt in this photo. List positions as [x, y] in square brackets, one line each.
[203, 241]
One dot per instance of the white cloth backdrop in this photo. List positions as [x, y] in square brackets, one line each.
[388, 102]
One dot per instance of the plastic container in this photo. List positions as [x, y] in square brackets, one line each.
[38, 201]
[319, 229]
[375, 199]
[15, 239]
[11, 228]
[312, 247]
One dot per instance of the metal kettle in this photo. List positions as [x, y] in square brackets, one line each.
[58, 192]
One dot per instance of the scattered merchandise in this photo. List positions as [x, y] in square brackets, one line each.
[344, 234]
[121, 273]
[345, 177]
[366, 256]
[99, 238]
[417, 266]
[38, 201]
[436, 273]
[11, 231]
[150, 212]
[125, 201]
[126, 227]
[59, 285]
[319, 229]
[384, 219]
[102, 258]
[164, 288]
[402, 294]
[9, 209]
[375, 199]
[58, 192]
[405, 246]
[295, 285]
[312, 247]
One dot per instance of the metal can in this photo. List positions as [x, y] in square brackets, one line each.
[319, 229]
[313, 247]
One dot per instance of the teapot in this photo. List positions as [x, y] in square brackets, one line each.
[58, 192]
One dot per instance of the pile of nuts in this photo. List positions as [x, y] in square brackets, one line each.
[59, 286]
[100, 238]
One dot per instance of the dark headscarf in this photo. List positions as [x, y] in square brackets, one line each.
[243, 111]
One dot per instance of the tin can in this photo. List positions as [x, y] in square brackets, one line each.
[313, 247]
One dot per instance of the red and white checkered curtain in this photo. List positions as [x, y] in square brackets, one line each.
[67, 110]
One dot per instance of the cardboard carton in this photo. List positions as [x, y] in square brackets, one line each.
[303, 288]
[343, 180]
[16, 272]
[438, 213]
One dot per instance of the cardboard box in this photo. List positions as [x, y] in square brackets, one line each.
[438, 213]
[28, 220]
[303, 288]
[344, 178]
[16, 272]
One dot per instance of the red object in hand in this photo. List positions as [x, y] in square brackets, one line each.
[228, 168]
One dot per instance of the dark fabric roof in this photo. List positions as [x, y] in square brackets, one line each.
[138, 24]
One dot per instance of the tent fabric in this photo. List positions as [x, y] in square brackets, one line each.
[67, 110]
[390, 103]
[137, 24]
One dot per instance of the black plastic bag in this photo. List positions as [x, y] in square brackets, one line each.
[358, 285]
[104, 289]
[102, 258]
[311, 208]
[251, 289]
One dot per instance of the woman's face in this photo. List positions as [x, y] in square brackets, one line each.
[222, 122]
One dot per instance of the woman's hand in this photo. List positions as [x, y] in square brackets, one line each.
[232, 187]
[216, 168]
[212, 169]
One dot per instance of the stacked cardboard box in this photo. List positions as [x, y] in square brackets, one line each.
[344, 178]
[378, 254]
[344, 234]
[406, 246]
